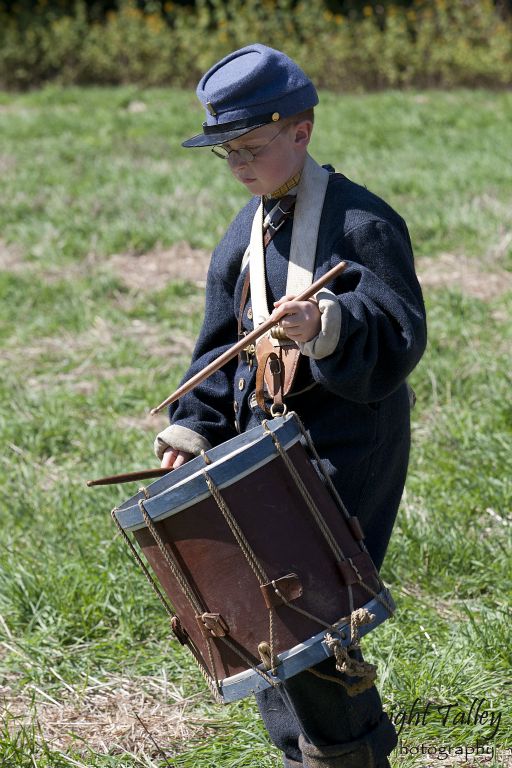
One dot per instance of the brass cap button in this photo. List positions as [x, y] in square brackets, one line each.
[235, 406]
[241, 384]
[249, 313]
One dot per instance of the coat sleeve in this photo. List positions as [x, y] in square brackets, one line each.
[381, 326]
[207, 411]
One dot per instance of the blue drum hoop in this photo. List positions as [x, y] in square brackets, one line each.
[252, 449]
[304, 655]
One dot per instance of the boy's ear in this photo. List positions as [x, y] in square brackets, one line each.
[302, 133]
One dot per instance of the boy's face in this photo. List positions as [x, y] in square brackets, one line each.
[279, 153]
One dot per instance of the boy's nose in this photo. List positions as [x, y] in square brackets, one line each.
[235, 160]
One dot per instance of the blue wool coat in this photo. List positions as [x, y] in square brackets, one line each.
[357, 412]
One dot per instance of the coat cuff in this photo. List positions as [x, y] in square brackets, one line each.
[327, 340]
[181, 439]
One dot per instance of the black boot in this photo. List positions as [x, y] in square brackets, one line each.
[369, 751]
[338, 756]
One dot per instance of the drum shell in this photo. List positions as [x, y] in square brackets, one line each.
[277, 523]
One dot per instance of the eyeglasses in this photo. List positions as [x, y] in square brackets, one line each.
[243, 154]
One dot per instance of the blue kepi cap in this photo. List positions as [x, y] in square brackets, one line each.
[251, 87]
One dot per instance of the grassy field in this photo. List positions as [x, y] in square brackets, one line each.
[105, 228]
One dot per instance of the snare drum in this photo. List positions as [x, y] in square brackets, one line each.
[258, 556]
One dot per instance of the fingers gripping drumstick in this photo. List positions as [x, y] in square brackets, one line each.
[249, 339]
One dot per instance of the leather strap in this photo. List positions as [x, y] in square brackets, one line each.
[300, 271]
[243, 301]
[279, 214]
[277, 366]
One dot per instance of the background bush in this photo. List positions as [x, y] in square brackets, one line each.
[423, 44]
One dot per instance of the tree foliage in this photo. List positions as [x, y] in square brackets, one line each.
[408, 43]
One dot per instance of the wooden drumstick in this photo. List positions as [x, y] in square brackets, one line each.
[126, 477]
[233, 351]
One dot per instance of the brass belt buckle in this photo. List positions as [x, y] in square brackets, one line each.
[248, 354]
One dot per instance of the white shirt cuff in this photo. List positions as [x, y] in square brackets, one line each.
[181, 439]
[327, 340]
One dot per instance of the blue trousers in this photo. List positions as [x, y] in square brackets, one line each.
[314, 722]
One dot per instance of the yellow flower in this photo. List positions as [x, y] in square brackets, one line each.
[367, 10]
[154, 22]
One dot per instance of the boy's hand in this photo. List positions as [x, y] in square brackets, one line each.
[301, 320]
[172, 459]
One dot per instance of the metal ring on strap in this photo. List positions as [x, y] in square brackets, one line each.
[278, 409]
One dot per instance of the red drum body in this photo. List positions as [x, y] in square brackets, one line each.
[258, 557]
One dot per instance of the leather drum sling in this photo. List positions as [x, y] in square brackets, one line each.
[277, 357]
[277, 365]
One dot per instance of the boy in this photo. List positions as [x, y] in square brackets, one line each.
[358, 343]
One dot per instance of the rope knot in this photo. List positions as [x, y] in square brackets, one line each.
[345, 663]
[358, 618]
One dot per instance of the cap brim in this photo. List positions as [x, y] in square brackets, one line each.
[222, 137]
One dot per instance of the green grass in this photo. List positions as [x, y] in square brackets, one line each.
[84, 174]
[84, 357]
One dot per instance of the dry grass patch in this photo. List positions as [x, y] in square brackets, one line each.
[147, 423]
[11, 257]
[144, 272]
[151, 271]
[479, 278]
[7, 163]
[63, 346]
[447, 609]
[87, 350]
[154, 341]
[482, 279]
[12, 260]
[119, 715]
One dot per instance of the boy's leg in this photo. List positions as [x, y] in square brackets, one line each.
[315, 723]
